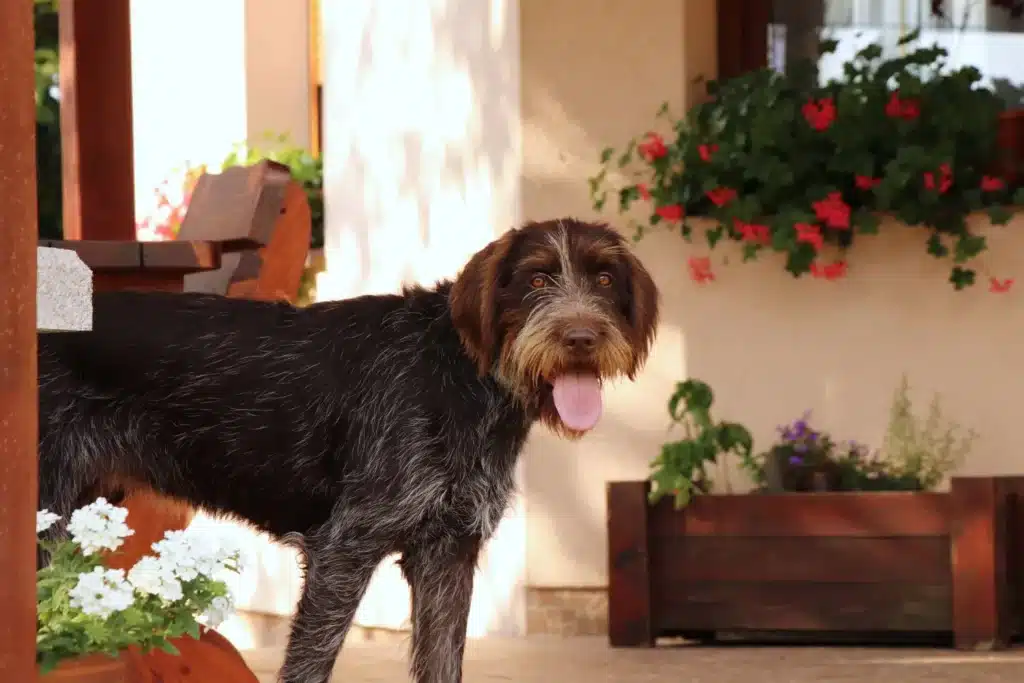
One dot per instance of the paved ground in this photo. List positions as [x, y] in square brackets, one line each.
[590, 660]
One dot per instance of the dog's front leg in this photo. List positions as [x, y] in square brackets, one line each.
[339, 566]
[441, 578]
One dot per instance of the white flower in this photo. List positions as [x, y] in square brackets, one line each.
[220, 609]
[153, 577]
[102, 592]
[44, 520]
[99, 526]
[192, 553]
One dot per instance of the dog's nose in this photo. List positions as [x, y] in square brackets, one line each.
[580, 339]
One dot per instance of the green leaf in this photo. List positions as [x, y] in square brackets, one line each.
[967, 247]
[961, 277]
[750, 251]
[714, 235]
[999, 215]
[606, 155]
[867, 222]
[1018, 197]
[935, 246]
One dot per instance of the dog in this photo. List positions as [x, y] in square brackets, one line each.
[353, 429]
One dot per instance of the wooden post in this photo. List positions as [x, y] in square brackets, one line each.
[629, 580]
[981, 597]
[96, 120]
[18, 379]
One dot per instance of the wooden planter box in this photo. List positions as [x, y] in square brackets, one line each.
[850, 563]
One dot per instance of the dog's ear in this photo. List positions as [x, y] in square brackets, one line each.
[643, 310]
[473, 302]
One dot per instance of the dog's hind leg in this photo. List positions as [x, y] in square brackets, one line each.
[339, 566]
[441, 578]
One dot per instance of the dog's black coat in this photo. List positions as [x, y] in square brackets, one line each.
[272, 435]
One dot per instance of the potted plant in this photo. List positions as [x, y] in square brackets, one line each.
[90, 616]
[778, 163]
[836, 538]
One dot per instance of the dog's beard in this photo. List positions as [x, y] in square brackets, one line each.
[537, 367]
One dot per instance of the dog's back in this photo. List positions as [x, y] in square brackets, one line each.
[261, 409]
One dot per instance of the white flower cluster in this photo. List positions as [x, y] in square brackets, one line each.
[44, 520]
[102, 592]
[99, 526]
[219, 610]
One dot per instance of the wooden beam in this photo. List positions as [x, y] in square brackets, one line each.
[742, 36]
[96, 120]
[18, 379]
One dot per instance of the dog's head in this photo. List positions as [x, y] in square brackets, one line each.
[552, 309]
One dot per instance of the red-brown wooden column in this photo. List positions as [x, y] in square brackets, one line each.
[18, 397]
[743, 36]
[96, 119]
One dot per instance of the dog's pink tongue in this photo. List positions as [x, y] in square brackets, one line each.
[578, 401]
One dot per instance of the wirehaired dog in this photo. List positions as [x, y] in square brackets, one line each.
[355, 428]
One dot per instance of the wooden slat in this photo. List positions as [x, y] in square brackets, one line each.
[96, 120]
[812, 514]
[18, 374]
[811, 559]
[184, 256]
[103, 254]
[981, 596]
[1014, 488]
[629, 583]
[799, 606]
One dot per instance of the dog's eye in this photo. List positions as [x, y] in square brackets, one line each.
[538, 281]
[604, 279]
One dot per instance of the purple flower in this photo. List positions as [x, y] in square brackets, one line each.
[795, 460]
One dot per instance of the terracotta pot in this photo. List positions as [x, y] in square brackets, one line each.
[1011, 144]
[89, 669]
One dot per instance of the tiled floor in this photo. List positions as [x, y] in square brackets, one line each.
[590, 660]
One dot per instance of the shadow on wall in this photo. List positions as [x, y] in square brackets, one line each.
[422, 116]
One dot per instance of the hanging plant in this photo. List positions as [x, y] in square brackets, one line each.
[780, 166]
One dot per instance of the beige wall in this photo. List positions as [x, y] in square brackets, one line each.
[591, 79]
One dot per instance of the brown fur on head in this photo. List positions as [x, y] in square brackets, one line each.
[552, 298]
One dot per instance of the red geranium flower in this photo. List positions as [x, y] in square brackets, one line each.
[759, 234]
[1000, 286]
[833, 211]
[899, 108]
[820, 113]
[707, 151]
[829, 271]
[811, 234]
[720, 196]
[992, 184]
[644, 192]
[653, 147]
[944, 182]
[865, 182]
[671, 212]
[700, 269]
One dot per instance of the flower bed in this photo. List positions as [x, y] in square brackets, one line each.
[802, 171]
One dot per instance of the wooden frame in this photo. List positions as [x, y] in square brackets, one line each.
[742, 36]
[18, 378]
[856, 563]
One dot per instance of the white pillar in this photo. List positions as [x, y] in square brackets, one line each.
[421, 168]
[207, 75]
